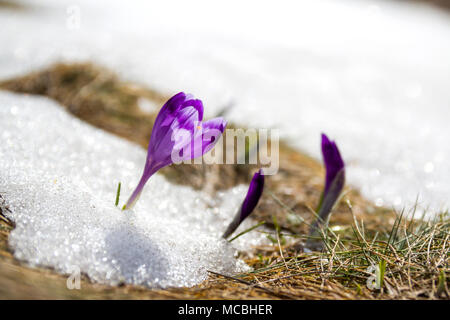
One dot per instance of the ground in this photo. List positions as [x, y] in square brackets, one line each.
[411, 254]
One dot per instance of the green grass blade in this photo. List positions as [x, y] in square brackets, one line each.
[118, 194]
[247, 230]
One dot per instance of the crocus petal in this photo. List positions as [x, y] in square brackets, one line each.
[212, 129]
[184, 133]
[206, 135]
[255, 191]
[166, 116]
[176, 137]
[334, 177]
[195, 103]
[332, 160]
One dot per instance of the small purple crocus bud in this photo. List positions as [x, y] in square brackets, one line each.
[334, 180]
[333, 162]
[178, 134]
[251, 200]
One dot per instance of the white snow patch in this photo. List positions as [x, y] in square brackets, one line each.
[59, 177]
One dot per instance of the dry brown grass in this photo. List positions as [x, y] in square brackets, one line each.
[98, 97]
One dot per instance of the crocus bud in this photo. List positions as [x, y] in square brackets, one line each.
[334, 181]
[254, 192]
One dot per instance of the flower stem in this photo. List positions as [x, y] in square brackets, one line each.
[118, 194]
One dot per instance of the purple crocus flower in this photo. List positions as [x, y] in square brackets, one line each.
[178, 134]
[334, 179]
[333, 162]
[251, 200]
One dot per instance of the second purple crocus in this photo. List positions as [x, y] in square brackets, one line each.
[178, 134]
[254, 192]
[334, 180]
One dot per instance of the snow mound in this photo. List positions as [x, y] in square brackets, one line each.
[59, 177]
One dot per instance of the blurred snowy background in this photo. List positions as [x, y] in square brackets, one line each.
[374, 75]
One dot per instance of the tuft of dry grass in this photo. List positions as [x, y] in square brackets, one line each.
[410, 261]
[360, 236]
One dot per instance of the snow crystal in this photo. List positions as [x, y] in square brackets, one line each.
[59, 177]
